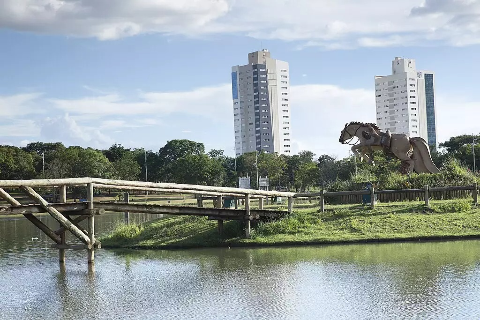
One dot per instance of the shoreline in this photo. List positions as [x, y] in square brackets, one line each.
[254, 245]
[339, 225]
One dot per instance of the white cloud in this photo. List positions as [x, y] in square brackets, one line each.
[19, 104]
[319, 113]
[456, 116]
[106, 19]
[329, 24]
[68, 131]
[19, 128]
[207, 102]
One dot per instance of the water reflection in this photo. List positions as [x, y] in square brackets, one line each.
[438, 280]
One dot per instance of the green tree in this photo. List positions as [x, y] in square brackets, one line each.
[198, 169]
[271, 165]
[16, 163]
[307, 175]
[173, 151]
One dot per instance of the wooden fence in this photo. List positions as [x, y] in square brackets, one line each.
[373, 196]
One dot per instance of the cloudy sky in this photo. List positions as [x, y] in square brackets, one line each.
[142, 72]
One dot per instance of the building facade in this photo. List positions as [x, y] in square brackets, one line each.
[405, 101]
[261, 105]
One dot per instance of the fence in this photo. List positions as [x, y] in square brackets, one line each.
[426, 194]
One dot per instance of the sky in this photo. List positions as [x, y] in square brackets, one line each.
[142, 72]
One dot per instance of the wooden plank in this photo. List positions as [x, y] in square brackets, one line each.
[175, 186]
[45, 182]
[343, 193]
[66, 208]
[56, 214]
[75, 246]
[178, 210]
[9, 198]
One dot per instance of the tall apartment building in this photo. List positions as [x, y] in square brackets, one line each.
[405, 101]
[261, 106]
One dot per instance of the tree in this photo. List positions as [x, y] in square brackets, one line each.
[307, 175]
[173, 151]
[460, 147]
[271, 165]
[15, 164]
[198, 169]
[75, 162]
[127, 167]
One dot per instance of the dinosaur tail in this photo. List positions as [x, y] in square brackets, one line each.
[421, 156]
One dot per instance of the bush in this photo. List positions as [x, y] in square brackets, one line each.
[452, 206]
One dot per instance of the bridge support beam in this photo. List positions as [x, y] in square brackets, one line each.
[247, 216]
[91, 225]
[218, 205]
[63, 234]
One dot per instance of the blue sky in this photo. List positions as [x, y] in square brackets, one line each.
[140, 73]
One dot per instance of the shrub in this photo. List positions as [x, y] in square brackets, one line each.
[452, 206]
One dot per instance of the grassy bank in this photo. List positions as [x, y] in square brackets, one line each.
[343, 223]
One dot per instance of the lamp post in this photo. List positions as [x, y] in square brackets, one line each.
[473, 152]
[256, 167]
[43, 165]
[146, 170]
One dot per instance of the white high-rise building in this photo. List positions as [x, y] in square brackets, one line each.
[261, 105]
[405, 101]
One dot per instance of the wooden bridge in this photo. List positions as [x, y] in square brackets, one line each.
[70, 214]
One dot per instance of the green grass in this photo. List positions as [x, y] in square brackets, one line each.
[338, 224]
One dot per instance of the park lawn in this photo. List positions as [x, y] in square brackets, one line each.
[338, 224]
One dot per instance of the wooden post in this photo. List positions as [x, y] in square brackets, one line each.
[427, 199]
[200, 201]
[63, 235]
[260, 203]
[126, 199]
[91, 224]
[247, 216]
[322, 201]
[63, 194]
[218, 205]
[236, 202]
[290, 204]
[475, 194]
[372, 197]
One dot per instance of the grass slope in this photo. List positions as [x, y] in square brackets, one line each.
[343, 223]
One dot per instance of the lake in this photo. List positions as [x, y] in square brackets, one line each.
[432, 280]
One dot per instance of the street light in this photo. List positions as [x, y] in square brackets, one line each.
[43, 164]
[473, 152]
[256, 166]
[146, 176]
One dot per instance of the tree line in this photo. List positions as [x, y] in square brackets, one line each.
[186, 161]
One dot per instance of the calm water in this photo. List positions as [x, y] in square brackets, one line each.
[439, 280]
